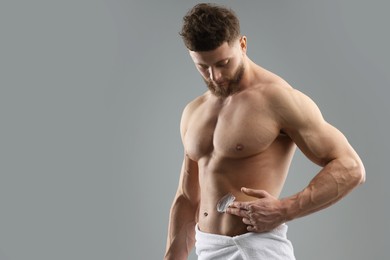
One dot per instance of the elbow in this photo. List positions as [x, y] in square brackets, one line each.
[362, 174]
[358, 172]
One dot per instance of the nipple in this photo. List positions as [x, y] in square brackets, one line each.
[239, 147]
[225, 202]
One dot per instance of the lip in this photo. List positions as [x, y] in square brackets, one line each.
[221, 84]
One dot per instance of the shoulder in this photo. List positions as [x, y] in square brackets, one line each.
[192, 106]
[189, 110]
[277, 90]
[271, 87]
[195, 103]
[291, 107]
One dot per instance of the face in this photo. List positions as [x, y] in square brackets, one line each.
[222, 68]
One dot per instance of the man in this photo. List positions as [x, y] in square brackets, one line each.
[239, 139]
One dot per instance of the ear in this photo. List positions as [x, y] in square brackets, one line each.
[243, 42]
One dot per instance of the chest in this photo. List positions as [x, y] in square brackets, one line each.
[231, 131]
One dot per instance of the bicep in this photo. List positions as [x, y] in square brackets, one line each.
[317, 139]
[320, 142]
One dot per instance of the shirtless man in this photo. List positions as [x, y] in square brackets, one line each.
[239, 138]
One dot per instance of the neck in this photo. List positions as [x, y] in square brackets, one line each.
[249, 76]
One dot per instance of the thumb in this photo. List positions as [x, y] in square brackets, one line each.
[254, 193]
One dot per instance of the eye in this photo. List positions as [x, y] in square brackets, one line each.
[223, 63]
[203, 67]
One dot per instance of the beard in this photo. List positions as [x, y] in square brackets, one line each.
[232, 85]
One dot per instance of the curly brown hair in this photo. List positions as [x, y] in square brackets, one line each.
[208, 26]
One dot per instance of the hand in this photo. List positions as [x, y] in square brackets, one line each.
[261, 215]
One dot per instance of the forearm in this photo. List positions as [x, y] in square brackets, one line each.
[330, 185]
[181, 231]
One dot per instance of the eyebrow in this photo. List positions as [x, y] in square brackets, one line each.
[216, 63]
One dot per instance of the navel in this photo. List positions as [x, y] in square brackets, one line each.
[205, 214]
[239, 147]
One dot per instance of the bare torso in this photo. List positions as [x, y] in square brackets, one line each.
[236, 143]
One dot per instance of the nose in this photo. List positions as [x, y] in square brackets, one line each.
[215, 74]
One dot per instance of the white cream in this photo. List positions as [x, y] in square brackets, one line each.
[225, 202]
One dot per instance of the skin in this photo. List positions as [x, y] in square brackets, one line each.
[243, 143]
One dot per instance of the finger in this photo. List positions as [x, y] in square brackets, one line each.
[237, 212]
[240, 205]
[254, 229]
[246, 221]
[251, 228]
[255, 193]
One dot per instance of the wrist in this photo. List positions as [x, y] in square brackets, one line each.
[288, 209]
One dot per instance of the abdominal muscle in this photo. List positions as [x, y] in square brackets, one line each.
[212, 221]
[218, 177]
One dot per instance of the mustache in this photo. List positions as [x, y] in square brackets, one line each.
[232, 84]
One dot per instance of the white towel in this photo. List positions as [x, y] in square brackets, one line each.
[272, 245]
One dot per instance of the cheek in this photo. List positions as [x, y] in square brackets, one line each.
[235, 67]
[204, 74]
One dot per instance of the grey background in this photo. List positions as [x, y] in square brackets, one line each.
[91, 94]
